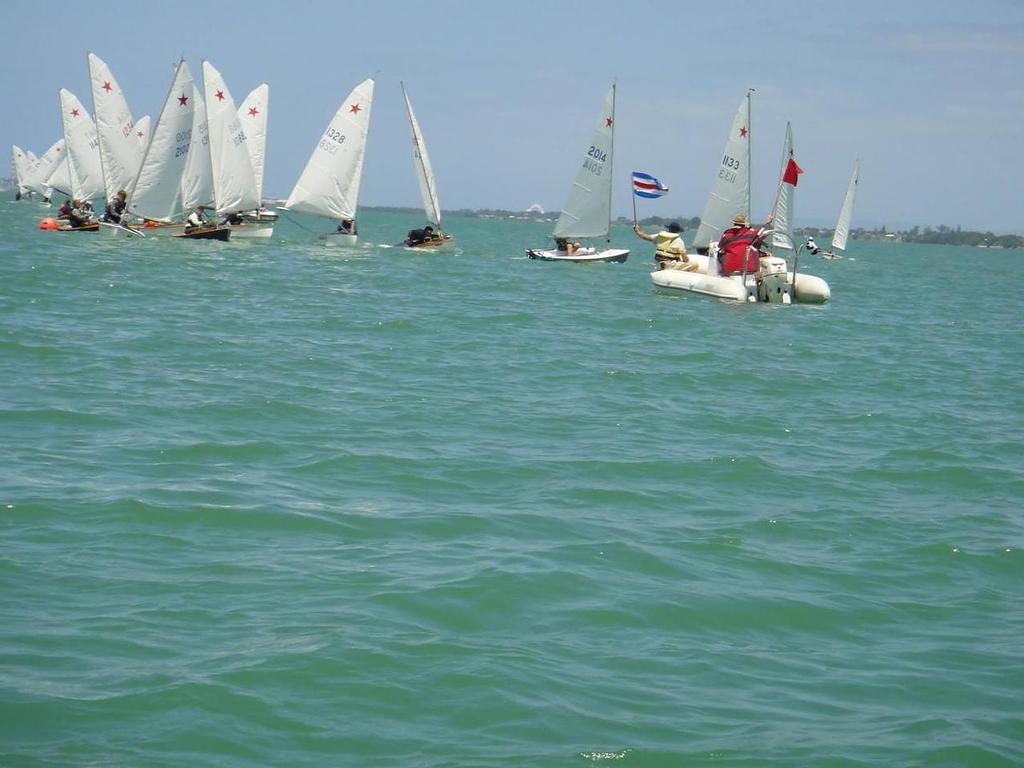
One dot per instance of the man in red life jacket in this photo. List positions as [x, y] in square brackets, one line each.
[741, 241]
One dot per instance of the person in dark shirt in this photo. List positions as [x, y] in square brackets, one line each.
[417, 236]
[115, 210]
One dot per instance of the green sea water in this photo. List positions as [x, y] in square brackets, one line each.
[269, 503]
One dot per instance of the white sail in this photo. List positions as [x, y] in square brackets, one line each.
[156, 192]
[82, 148]
[846, 213]
[329, 184]
[40, 171]
[424, 173]
[234, 186]
[782, 214]
[20, 164]
[60, 178]
[253, 115]
[142, 134]
[588, 209]
[730, 194]
[120, 151]
[197, 178]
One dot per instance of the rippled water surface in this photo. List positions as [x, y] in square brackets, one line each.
[275, 504]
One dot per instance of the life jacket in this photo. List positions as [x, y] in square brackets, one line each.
[734, 245]
[668, 245]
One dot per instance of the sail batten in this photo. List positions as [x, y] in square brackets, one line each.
[587, 210]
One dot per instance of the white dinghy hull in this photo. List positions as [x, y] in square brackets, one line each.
[248, 231]
[339, 239]
[808, 289]
[582, 256]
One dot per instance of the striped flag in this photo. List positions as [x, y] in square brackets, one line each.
[646, 186]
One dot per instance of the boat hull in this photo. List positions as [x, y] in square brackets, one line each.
[429, 245]
[109, 229]
[206, 233]
[582, 256]
[808, 289]
[93, 227]
[160, 228]
[247, 231]
[339, 240]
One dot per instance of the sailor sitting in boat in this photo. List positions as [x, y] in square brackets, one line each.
[348, 227]
[114, 213]
[812, 247]
[197, 219]
[738, 248]
[566, 246]
[669, 249]
[418, 236]
[80, 214]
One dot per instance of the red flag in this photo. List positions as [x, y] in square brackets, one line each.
[792, 172]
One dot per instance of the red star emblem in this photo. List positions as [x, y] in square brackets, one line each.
[354, 109]
[139, 134]
[219, 95]
[743, 133]
[253, 111]
[182, 100]
[74, 112]
[107, 87]
[608, 122]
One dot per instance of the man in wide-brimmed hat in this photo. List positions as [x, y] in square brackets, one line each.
[739, 244]
[669, 249]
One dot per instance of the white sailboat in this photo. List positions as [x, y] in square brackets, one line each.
[38, 174]
[59, 178]
[428, 186]
[842, 230]
[329, 184]
[82, 143]
[20, 165]
[730, 196]
[155, 195]
[252, 113]
[119, 148]
[587, 212]
[234, 184]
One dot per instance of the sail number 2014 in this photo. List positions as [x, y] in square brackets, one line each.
[595, 159]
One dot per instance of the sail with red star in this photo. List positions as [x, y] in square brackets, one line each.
[83, 157]
[120, 151]
[234, 185]
[587, 211]
[156, 192]
[253, 116]
[197, 177]
[730, 192]
[329, 184]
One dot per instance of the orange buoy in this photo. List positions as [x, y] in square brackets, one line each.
[48, 223]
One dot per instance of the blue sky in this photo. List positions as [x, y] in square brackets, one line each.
[929, 97]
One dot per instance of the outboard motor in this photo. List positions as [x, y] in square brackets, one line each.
[774, 286]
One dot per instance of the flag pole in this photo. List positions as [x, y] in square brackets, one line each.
[632, 193]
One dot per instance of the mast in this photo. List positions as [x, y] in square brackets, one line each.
[750, 140]
[611, 157]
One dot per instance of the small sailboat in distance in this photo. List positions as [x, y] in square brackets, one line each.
[842, 230]
[587, 212]
[329, 184]
[428, 188]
